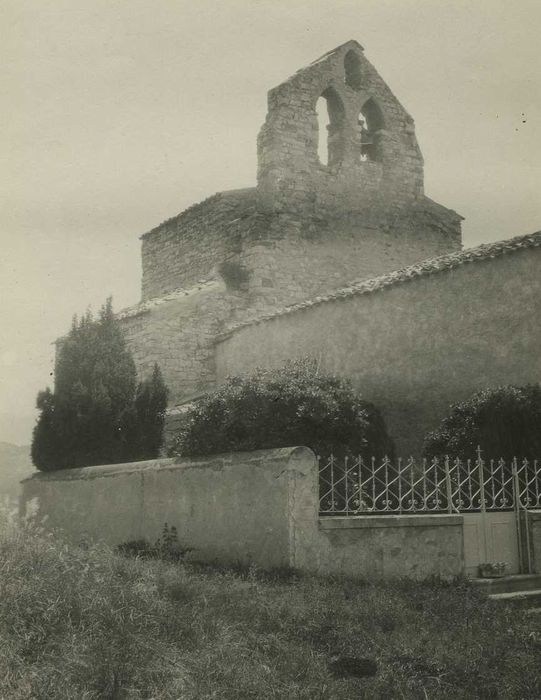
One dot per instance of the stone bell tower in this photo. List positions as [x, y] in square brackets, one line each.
[372, 165]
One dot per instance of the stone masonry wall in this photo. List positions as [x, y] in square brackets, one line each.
[178, 333]
[187, 248]
[417, 340]
[298, 259]
[282, 258]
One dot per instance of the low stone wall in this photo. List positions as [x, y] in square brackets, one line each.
[259, 507]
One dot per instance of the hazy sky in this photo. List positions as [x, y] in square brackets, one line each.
[120, 113]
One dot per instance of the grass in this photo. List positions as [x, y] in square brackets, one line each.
[88, 623]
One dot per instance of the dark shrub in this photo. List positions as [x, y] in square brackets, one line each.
[504, 421]
[97, 414]
[150, 406]
[294, 405]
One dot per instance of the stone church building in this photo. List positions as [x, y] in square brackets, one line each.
[342, 257]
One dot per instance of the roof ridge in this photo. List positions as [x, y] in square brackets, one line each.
[428, 266]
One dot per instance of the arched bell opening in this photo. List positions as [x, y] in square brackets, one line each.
[352, 70]
[331, 119]
[370, 125]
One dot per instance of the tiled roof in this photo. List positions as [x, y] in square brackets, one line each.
[145, 306]
[424, 268]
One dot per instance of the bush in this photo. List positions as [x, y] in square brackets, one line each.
[97, 414]
[294, 405]
[504, 421]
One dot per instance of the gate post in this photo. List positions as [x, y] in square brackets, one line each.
[481, 471]
[448, 485]
[516, 507]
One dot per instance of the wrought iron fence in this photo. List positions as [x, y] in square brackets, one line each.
[357, 487]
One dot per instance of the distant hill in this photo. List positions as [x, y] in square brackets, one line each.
[15, 464]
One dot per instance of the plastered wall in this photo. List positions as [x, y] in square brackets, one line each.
[255, 508]
[408, 545]
[228, 508]
[418, 345]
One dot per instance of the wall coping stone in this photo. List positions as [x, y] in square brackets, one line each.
[353, 522]
[215, 462]
[443, 263]
[534, 515]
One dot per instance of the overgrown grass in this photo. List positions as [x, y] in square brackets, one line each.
[84, 624]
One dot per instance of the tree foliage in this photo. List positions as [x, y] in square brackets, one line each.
[97, 413]
[150, 406]
[504, 421]
[294, 405]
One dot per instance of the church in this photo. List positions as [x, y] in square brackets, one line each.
[337, 253]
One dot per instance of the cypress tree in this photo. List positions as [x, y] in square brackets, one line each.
[150, 406]
[93, 415]
[46, 447]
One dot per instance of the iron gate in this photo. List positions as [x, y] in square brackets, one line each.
[494, 497]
